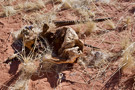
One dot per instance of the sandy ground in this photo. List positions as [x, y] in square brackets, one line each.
[75, 78]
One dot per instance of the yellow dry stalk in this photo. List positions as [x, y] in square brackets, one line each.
[128, 20]
[110, 24]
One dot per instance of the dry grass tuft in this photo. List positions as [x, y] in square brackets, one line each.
[39, 18]
[40, 4]
[91, 26]
[27, 70]
[129, 62]
[110, 24]
[128, 55]
[21, 84]
[30, 6]
[9, 10]
[27, 6]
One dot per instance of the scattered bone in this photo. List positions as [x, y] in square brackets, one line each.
[71, 46]
[67, 46]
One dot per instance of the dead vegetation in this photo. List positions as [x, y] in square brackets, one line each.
[49, 46]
